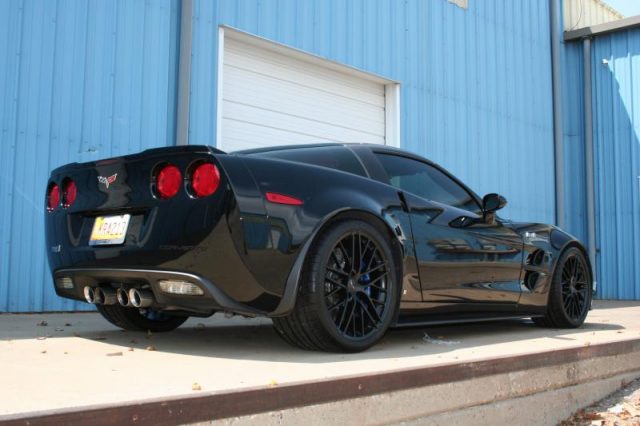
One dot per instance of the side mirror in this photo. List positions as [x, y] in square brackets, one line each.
[493, 202]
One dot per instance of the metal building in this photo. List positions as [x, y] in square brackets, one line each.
[602, 141]
[468, 84]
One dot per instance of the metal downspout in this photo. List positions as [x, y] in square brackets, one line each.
[556, 79]
[588, 154]
[184, 73]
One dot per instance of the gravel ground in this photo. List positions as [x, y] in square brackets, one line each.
[621, 408]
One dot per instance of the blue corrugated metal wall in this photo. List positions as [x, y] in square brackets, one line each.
[573, 134]
[615, 64]
[78, 81]
[85, 80]
[616, 135]
[475, 84]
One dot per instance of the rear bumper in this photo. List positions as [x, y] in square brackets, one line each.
[211, 301]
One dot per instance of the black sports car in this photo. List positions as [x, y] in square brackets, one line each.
[336, 243]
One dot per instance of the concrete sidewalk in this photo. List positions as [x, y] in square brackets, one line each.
[59, 361]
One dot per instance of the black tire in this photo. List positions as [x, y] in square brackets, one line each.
[133, 320]
[570, 293]
[347, 297]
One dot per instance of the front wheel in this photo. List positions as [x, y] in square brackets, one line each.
[348, 292]
[133, 319]
[570, 292]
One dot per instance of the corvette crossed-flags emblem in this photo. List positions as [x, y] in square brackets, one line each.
[107, 180]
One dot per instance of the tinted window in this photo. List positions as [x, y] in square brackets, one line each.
[333, 157]
[426, 181]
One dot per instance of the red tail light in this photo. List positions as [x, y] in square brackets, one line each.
[69, 193]
[205, 180]
[274, 197]
[53, 197]
[168, 181]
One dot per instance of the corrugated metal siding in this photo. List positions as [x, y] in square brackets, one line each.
[584, 13]
[573, 135]
[616, 88]
[475, 83]
[78, 81]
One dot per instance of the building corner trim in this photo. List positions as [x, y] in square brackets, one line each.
[184, 73]
[556, 80]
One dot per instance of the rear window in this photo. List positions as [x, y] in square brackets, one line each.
[333, 157]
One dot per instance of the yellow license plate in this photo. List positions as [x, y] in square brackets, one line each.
[109, 230]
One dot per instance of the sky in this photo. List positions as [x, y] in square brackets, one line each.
[626, 7]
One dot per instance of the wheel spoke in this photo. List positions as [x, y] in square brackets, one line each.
[375, 268]
[334, 282]
[337, 271]
[375, 311]
[374, 323]
[336, 305]
[353, 308]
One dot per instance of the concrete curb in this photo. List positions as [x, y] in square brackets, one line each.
[221, 405]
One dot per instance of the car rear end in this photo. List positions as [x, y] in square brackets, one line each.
[159, 229]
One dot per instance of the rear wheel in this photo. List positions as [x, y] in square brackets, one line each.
[348, 292]
[133, 319]
[570, 293]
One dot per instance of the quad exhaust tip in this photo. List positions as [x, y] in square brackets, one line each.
[99, 296]
[105, 296]
[89, 294]
[123, 297]
[128, 298]
[140, 298]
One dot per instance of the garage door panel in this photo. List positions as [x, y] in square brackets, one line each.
[241, 83]
[307, 103]
[243, 135]
[300, 125]
[270, 96]
[305, 74]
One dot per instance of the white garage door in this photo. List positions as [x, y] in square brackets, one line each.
[274, 95]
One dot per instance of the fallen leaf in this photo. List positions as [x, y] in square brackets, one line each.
[273, 383]
[43, 323]
[66, 353]
[43, 352]
[115, 354]
[591, 416]
[151, 348]
[196, 386]
[130, 349]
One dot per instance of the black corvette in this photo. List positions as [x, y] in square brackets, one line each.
[336, 243]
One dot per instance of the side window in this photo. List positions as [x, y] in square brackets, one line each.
[333, 157]
[426, 181]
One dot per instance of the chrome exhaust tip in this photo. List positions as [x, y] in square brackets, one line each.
[123, 297]
[89, 294]
[140, 298]
[105, 296]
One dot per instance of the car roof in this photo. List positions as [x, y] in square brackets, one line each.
[373, 147]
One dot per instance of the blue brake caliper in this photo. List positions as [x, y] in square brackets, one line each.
[364, 279]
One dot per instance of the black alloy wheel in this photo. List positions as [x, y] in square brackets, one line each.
[570, 292]
[356, 286]
[348, 293]
[574, 287]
